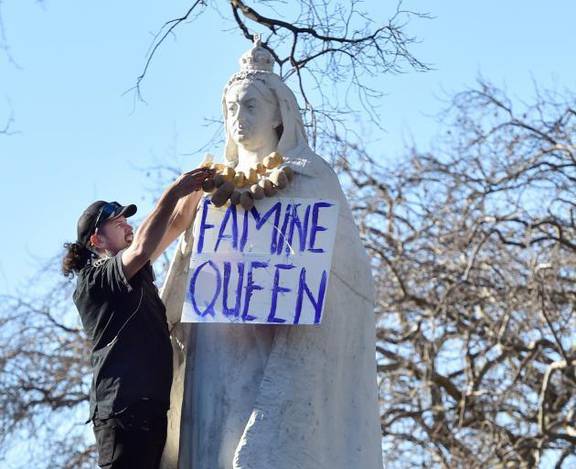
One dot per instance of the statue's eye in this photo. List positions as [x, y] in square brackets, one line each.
[232, 107]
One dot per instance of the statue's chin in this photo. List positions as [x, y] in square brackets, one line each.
[249, 144]
[242, 139]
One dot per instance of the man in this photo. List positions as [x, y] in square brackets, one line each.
[125, 319]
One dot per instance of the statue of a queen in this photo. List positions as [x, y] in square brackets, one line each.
[277, 397]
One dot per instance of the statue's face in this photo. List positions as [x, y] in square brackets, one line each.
[251, 119]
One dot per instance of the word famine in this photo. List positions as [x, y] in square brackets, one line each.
[287, 226]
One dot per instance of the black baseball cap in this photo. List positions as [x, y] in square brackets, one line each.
[96, 214]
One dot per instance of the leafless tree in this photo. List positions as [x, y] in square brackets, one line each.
[44, 376]
[474, 258]
[323, 46]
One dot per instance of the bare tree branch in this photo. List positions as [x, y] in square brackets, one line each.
[474, 264]
[166, 30]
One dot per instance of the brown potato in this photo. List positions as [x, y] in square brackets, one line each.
[240, 179]
[279, 179]
[228, 173]
[272, 160]
[219, 180]
[252, 176]
[257, 192]
[246, 200]
[269, 162]
[222, 194]
[208, 185]
[269, 189]
[260, 168]
[235, 197]
[264, 182]
[278, 157]
[217, 166]
[287, 170]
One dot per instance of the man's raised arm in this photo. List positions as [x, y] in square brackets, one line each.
[150, 235]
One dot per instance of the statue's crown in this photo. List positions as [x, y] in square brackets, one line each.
[257, 59]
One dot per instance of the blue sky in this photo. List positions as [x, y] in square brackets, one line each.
[80, 139]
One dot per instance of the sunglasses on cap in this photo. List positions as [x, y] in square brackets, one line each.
[108, 210]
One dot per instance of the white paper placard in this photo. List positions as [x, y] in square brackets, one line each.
[269, 265]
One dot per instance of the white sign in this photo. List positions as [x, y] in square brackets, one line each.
[268, 265]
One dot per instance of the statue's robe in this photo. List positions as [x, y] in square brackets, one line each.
[280, 397]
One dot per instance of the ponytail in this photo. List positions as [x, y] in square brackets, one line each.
[76, 257]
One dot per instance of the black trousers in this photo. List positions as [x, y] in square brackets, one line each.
[132, 440]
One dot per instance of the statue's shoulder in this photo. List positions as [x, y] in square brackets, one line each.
[305, 161]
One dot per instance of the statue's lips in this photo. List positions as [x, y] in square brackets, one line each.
[241, 132]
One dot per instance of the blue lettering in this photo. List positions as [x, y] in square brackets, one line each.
[278, 289]
[287, 217]
[317, 304]
[230, 213]
[208, 306]
[302, 228]
[315, 227]
[250, 287]
[235, 311]
[260, 220]
[203, 225]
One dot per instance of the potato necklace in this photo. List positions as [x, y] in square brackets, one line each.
[262, 180]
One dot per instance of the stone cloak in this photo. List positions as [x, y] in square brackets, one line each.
[280, 397]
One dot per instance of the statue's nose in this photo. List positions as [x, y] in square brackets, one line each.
[242, 114]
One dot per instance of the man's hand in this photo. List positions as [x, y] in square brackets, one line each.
[148, 239]
[190, 182]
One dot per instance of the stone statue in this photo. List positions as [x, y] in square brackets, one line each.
[277, 397]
